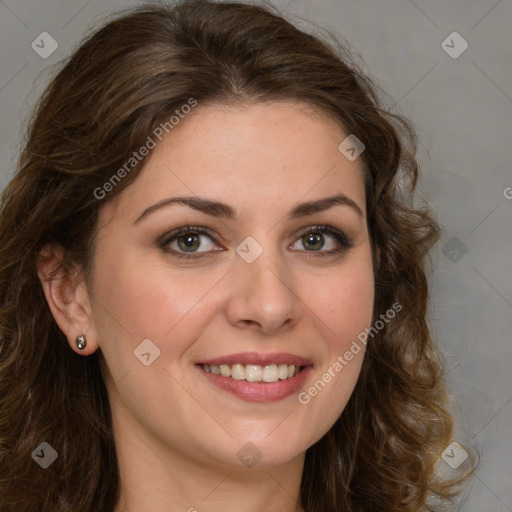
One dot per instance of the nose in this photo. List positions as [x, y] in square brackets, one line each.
[262, 295]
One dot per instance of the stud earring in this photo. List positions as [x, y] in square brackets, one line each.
[80, 342]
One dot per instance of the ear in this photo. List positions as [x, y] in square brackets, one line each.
[67, 297]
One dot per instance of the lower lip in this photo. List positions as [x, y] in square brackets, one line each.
[261, 392]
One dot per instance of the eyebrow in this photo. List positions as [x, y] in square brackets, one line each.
[222, 210]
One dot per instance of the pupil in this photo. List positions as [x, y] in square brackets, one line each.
[191, 241]
[315, 239]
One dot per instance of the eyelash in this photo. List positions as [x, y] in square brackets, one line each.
[341, 238]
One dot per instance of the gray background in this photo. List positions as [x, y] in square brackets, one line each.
[462, 109]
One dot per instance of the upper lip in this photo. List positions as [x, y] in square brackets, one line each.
[259, 359]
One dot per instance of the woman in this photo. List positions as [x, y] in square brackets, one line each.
[213, 281]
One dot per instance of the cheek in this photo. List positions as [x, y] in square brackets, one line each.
[343, 301]
[135, 302]
[343, 308]
[143, 298]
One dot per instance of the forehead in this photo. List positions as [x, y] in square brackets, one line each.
[278, 153]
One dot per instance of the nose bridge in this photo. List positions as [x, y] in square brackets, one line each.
[262, 291]
[263, 266]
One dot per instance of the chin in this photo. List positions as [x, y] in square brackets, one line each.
[263, 452]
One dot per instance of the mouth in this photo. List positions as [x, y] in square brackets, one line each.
[257, 377]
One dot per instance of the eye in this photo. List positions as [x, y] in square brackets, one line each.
[186, 242]
[314, 240]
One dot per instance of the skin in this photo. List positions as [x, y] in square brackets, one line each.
[177, 435]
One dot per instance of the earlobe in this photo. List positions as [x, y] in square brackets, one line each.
[67, 299]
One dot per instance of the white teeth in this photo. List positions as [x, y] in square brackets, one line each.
[238, 372]
[270, 373]
[283, 371]
[225, 370]
[254, 372]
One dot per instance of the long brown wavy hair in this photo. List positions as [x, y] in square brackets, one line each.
[122, 82]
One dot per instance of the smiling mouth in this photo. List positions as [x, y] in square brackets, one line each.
[254, 372]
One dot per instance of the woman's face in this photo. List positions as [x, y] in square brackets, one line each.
[253, 293]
